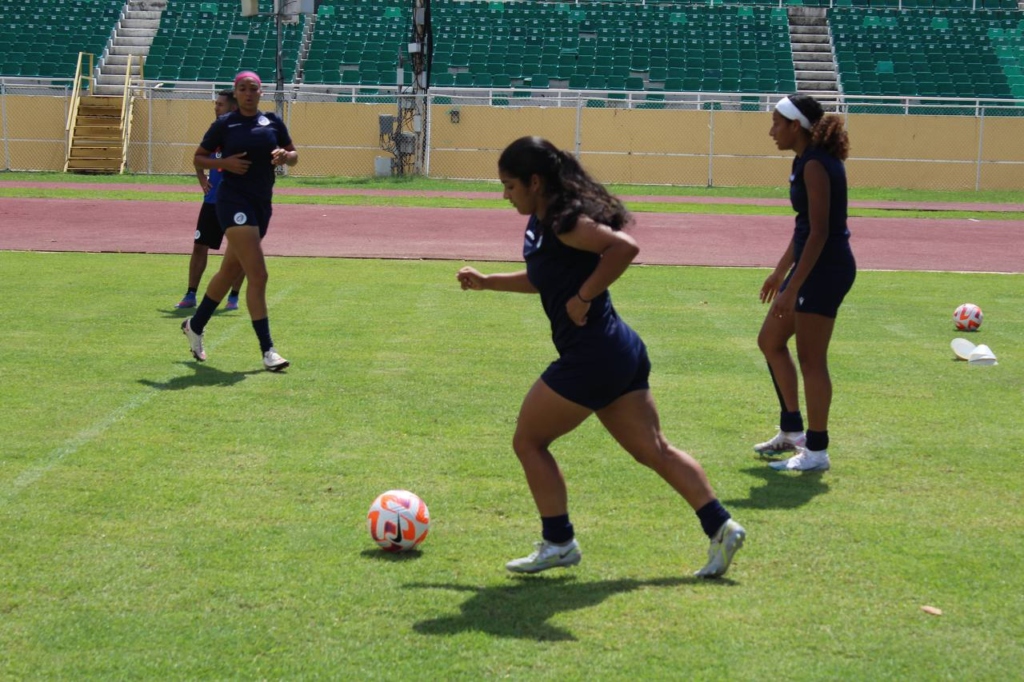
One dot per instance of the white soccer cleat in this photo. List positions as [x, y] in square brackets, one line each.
[547, 555]
[804, 460]
[784, 441]
[724, 545]
[274, 362]
[195, 341]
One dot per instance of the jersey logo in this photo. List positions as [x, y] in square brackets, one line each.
[198, 235]
[801, 299]
[240, 218]
[263, 121]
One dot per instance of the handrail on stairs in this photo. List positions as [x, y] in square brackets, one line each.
[76, 96]
[126, 113]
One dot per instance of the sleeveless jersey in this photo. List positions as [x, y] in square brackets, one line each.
[838, 232]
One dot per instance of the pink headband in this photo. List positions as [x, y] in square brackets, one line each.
[248, 74]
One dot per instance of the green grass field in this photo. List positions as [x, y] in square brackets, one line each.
[162, 519]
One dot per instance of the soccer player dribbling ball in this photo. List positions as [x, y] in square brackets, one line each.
[252, 144]
[810, 281]
[574, 250]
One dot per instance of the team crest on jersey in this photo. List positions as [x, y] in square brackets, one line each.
[532, 242]
[263, 121]
[240, 218]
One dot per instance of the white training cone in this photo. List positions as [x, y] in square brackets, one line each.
[962, 348]
[982, 355]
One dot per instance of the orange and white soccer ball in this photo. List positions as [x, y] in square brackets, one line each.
[967, 317]
[398, 520]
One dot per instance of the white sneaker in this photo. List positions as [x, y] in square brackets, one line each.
[804, 460]
[547, 555]
[724, 545]
[195, 341]
[274, 362]
[784, 441]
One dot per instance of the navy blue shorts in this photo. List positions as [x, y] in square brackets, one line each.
[208, 230]
[233, 210]
[827, 285]
[596, 383]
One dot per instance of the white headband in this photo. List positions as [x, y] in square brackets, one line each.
[786, 107]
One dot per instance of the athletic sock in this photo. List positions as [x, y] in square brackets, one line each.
[557, 529]
[203, 314]
[192, 291]
[262, 329]
[817, 440]
[791, 421]
[712, 515]
[782, 402]
[234, 293]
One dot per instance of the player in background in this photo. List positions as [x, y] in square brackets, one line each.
[209, 233]
[574, 250]
[810, 281]
[252, 143]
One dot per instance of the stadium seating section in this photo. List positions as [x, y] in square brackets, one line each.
[43, 37]
[211, 41]
[945, 48]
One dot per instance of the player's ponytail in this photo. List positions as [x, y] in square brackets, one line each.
[568, 188]
[827, 130]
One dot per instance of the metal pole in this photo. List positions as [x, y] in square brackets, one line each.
[279, 94]
[981, 146]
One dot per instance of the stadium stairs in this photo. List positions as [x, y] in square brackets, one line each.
[813, 60]
[132, 36]
[96, 146]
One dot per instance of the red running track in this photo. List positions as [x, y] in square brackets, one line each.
[490, 234]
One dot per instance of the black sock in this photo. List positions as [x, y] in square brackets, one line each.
[262, 328]
[712, 515]
[192, 290]
[791, 421]
[234, 293]
[203, 314]
[557, 529]
[817, 440]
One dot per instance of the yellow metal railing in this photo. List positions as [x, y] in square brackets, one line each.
[126, 113]
[76, 96]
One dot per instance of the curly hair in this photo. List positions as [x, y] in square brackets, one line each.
[568, 188]
[827, 130]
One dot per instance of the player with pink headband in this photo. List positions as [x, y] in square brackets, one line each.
[252, 143]
[810, 281]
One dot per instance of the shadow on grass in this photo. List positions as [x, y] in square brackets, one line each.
[522, 609]
[204, 376]
[780, 490]
[182, 313]
[391, 557]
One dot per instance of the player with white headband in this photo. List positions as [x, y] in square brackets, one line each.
[810, 281]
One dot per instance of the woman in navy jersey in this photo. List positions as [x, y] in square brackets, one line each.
[810, 281]
[251, 143]
[574, 250]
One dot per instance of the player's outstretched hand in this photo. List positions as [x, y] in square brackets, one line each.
[470, 278]
[236, 164]
[770, 287]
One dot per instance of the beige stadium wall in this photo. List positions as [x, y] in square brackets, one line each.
[34, 137]
[618, 145]
[165, 134]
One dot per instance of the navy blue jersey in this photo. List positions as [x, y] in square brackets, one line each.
[558, 271]
[257, 136]
[838, 232]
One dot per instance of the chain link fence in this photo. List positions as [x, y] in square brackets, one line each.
[686, 139]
